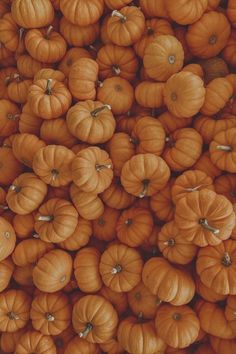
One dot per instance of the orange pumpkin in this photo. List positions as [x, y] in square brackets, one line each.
[9, 117]
[72, 55]
[79, 345]
[224, 346]
[104, 228]
[231, 12]
[207, 293]
[154, 9]
[24, 226]
[72, 10]
[186, 12]
[205, 164]
[34, 341]
[29, 123]
[116, 197]
[171, 123]
[6, 271]
[28, 66]
[150, 94]
[161, 203]
[18, 89]
[8, 239]
[56, 132]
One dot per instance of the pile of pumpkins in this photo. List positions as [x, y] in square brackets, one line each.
[118, 176]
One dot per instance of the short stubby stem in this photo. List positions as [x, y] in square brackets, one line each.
[204, 223]
[226, 148]
[176, 316]
[45, 218]
[171, 59]
[13, 116]
[193, 189]
[55, 174]
[102, 167]
[128, 222]
[170, 242]
[116, 70]
[86, 330]
[13, 316]
[35, 236]
[150, 31]
[226, 260]
[119, 14]
[15, 188]
[96, 111]
[144, 192]
[49, 317]
[49, 87]
[17, 77]
[212, 39]
[49, 31]
[3, 207]
[117, 269]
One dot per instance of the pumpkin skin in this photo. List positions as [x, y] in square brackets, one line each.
[205, 164]
[177, 288]
[194, 69]
[79, 345]
[56, 132]
[116, 197]
[56, 220]
[119, 61]
[206, 41]
[222, 260]
[28, 66]
[112, 347]
[94, 319]
[150, 94]
[142, 302]
[3, 205]
[92, 170]
[120, 268]
[91, 122]
[147, 341]
[186, 12]
[6, 75]
[224, 346]
[161, 203]
[6, 271]
[184, 94]
[171, 123]
[151, 9]
[50, 313]
[72, 55]
[49, 99]
[183, 149]
[9, 118]
[14, 310]
[18, 88]
[189, 182]
[82, 79]
[118, 300]
[118, 93]
[226, 185]
[182, 325]
[27, 15]
[134, 226]
[173, 245]
[34, 341]
[86, 270]
[8, 239]
[166, 53]
[11, 35]
[117, 4]
[53, 165]
[26, 193]
[104, 228]
[125, 27]
[23, 275]
[92, 10]
[53, 271]
[9, 340]
[230, 312]
[231, 12]
[48, 73]
[151, 174]
[207, 293]
[205, 218]
[222, 150]
[29, 123]
[214, 68]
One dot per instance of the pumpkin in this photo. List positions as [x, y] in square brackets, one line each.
[177, 287]
[6, 271]
[119, 61]
[224, 346]
[116, 197]
[116, 4]
[94, 319]
[8, 239]
[120, 267]
[34, 341]
[53, 271]
[53, 165]
[183, 149]
[231, 12]
[83, 76]
[144, 174]
[206, 41]
[230, 312]
[226, 185]
[134, 226]
[194, 69]
[150, 94]
[10, 167]
[207, 293]
[50, 313]
[24, 225]
[26, 193]
[222, 148]
[112, 347]
[56, 220]
[63, 339]
[88, 205]
[157, 9]
[181, 325]
[80, 236]
[24, 275]
[214, 68]
[190, 181]
[161, 203]
[29, 123]
[205, 164]
[125, 27]
[186, 12]
[204, 217]
[118, 300]
[18, 88]
[86, 270]
[21, 150]
[56, 132]
[28, 66]
[92, 11]
[4, 8]
[180, 33]
[91, 122]
[184, 94]
[49, 99]
[9, 117]
[173, 245]
[171, 123]
[166, 53]
[14, 310]
[5, 78]
[9, 340]
[147, 340]
[11, 34]
[218, 274]
[118, 93]
[231, 106]
[104, 228]
[30, 251]
[92, 170]
[47, 73]
[72, 55]
[142, 302]
[79, 345]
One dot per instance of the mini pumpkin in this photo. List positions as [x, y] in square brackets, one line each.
[226, 185]
[161, 203]
[29, 122]
[150, 94]
[116, 197]
[186, 12]
[231, 12]
[79, 345]
[34, 341]
[56, 132]
[207, 293]
[10, 167]
[104, 228]
[6, 271]
[18, 89]
[8, 239]
[9, 117]
[72, 55]
[205, 164]
[92, 10]
[11, 34]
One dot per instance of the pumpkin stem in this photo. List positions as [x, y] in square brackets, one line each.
[49, 31]
[3, 207]
[170, 242]
[226, 260]
[204, 223]
[145, 188]
[137, 296]
[49, 317]
[177, 316]
[17, 77]
[99, 83]
[55, 174]
[86, 331]
[102, 167]
[35, 236]
[96, 111]
[13, 316]
[212, 39]
[15, 188]
[45, 218]
[21, 32]
[224, 148]
[117, 269]
[92, 47]
[7, 234]
[134, 141]
[120, 15]
[128, 222]
[49, 87]
[13, 116]
[171, 59]
[150, 31]
[193, 189]
[116, 70]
